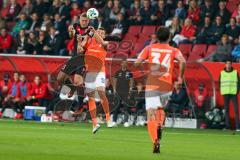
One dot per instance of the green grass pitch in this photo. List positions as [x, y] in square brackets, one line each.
[20, 140]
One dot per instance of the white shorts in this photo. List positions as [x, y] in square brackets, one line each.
[156, 99]
[93, 80]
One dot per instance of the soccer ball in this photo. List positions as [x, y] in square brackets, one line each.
[92, 13]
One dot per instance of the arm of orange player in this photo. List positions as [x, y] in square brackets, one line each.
[182, 65]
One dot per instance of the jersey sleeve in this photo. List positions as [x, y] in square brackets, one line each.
[145, 53]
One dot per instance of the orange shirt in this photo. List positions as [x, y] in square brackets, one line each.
[95, 56]
[161, 64]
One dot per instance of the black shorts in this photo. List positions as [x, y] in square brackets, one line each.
[74, 65]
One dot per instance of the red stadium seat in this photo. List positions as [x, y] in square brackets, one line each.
[142, 38]
[185, 49]
[112, 47]
[21, 2]
[135, 30]
[137, 49]
[199, 49]
[130, 37]
[120, 55]
[210, 50]
[125, 46]
[148, 30]
[194, 57]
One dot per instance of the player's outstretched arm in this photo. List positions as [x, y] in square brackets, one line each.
[71, 31]
[182, 66]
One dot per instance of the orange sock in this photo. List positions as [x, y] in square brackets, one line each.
[92, 110]
[152, 130]
[160, 117]
[105, 104]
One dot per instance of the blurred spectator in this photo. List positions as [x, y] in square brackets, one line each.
[86, 5]
[218, 30]
[70, 47]
[200, 98]
[99, 22]
[194, 11]
[25, 91]
[55, 7]
[2, 22]
[236, 14]
[175, 27]
[60, 25]
[153, 39]
[65, 10]
[39, 93]
[122, 86]
[13, 10]
[161, 13]
[6, 41]
[236, 52]
[22, 42]
[223, 51]
[22, 23]
[205, 32]
[5, 85]
[187, 34]
[47, 23]
[180, 11]
[116, 9]
[75, 10]
[27, 8]
[223, 11]
[54, 43]
[134, 12]
[233, 31]
[40, 7]
[229, 88]
[107, 10]
[34, 23]
[207, 10]
[120, 27]
[99, 3]
[146, 12]
[31, 43]
[12, 99]
[42, 43]
[75, 19]
[139, 97]
[179, 99]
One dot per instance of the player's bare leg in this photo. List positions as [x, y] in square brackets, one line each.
[153, 129]
[105, 104]
[93, 111]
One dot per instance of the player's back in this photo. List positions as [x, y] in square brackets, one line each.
[160, 58]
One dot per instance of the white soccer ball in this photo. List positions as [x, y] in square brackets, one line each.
[92, 13]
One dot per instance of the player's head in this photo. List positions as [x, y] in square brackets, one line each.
[101, 32]
[84, 21]
[163, 34]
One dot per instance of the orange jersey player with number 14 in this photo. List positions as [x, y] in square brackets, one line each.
[95, 75]
[160, 59]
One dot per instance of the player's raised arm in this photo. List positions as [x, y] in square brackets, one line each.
[182, 64]
[142, 56]
[71, 31]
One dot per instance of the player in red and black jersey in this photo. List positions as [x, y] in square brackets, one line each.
[76, 65]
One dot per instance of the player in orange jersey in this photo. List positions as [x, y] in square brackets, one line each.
[160, 59]
[95, 77]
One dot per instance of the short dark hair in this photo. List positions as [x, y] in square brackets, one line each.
[84, 14]
[229, 59]
[101, 28]
[163, 34]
